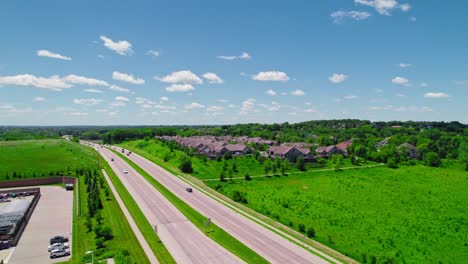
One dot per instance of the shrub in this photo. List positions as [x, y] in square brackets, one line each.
[100, 243]
[391, 163]
[301, 228]
[186, 164]
[247, 177]
[432, 159]
[310, 232]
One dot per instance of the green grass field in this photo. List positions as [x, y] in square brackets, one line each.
[38, 158]
[412, 214]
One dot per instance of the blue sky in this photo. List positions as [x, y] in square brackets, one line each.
[220, 62]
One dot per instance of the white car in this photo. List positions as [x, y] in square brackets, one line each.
[125, 171]
[55, 253]
[58, 246]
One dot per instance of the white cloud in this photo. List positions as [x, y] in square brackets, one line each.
[400, 81]
[424, 84]
[124, 77]
[118, 104]
[39, 99]
[338, 78]
[340, 16]
[383, 7]
[351, 97]
[401, 95]
[311, 110]
[404, 65]
[90, 101]
[212, 78]
[275, 76]
[92, 91]
[153, 53]
[223, 100]
[54, 83]
[194, 105]
[75, 79]
[413, 19]
[247, 105]
[122, 98]
[76, 113]
[416, 109]
[186, 77]
[118, 89]
[164, 98]
[405, 7]
[180, 88]
[121, 47]
[271, 92]
[298, 93]
[435, 95]
[46, 53]
[243, 56]
[215, 108]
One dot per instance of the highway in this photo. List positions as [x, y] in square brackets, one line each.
[185, 242]
[271, 246]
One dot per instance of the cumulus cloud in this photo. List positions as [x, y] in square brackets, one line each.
[340, 17]
[247, 105]
[93, 91]
[87, 101]
[400, 81]
[243, 56]
[405, 7]
[186, 77]
[164, 98]
[121, 47]
[75, 79]
[298, 93]
[180, 88]
[215, 108]
[337, 78]
[124, 77]
[153, 53]
[404, 65]
[275, 76]
[122, 98]
[383, 7]
[212, 78]
[46, 53]
[39, 99]
[271, 92]
[435, 95]
[118, 89]
[54, 83]
[350, 97]
[194, 105]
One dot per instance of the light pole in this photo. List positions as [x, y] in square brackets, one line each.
[92, 255]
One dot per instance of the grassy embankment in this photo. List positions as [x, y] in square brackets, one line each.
[212, 231]
[43, 158]
[411, 214]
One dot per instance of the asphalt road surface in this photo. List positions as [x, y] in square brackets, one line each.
[266, 243]
[185, 242]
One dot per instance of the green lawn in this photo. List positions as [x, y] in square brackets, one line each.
[213, 231]
[39, 158]
[412, 214]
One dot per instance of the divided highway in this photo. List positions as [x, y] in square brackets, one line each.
[185, 242]
[266, 243]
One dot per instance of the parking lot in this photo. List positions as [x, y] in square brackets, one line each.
[52, 216]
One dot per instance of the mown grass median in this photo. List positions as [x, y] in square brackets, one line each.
[213, 231]
[158, 248]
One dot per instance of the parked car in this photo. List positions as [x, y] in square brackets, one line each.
[58, 246]
[125, 171]
[188, 189]
[58, 239]
[56, 253]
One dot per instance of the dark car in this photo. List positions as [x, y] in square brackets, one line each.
[58, 239]
[112, 159]
[188, 189]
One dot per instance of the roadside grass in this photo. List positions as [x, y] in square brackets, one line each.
[41, 158]
[158, 248]
[212, 231]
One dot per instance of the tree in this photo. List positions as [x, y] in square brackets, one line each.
[267, 166]
[432, 159]
[301, 228]
[234, 167]
[247, 177]
[463, 153]
[222, 176]
[186, 164]
[391, 163]
[310, 232]
[301, 164]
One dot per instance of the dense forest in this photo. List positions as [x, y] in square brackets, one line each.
[377, 141]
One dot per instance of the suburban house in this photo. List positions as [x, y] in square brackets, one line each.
[290, 153]
[326, 152]
[410, 150]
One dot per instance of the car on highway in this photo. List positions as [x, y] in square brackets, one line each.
[188, 189]
[58, 239]
[125, 171]
[56, 253]
[58, 246]
[112, 159]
